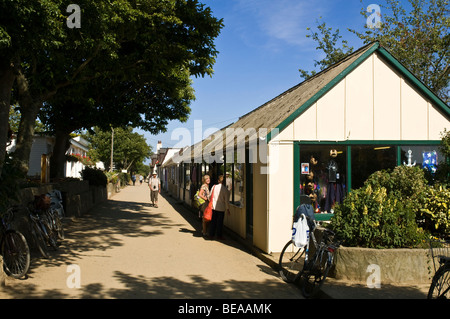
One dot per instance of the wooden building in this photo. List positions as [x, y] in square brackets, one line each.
[368, 109]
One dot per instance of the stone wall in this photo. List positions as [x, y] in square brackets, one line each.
[396, 266]
[78, 196]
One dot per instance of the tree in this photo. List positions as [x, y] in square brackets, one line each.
[419, 39]
[128, 47]
[17, 41]
[327, 43]
[130, 149]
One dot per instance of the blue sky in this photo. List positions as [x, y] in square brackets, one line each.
[262, 46]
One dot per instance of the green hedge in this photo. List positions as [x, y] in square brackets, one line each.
[95, 176]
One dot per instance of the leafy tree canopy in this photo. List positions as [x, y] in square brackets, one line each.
[416, 34]
[130, 60]
[130, 149]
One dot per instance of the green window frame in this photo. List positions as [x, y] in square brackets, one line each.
[297, 145]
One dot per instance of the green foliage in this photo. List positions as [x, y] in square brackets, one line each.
[130, 148]
[436, 210]
[418, 38]
[95, 176]
[326, 42]
[115, 177]
[417, 35]
[442, 175]
[10, 179]
[382, 213]
[130, 63]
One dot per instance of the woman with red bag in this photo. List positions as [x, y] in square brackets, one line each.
[219, 200]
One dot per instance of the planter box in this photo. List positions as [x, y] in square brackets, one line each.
[396, 266]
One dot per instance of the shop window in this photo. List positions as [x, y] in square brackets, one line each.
[367, 159]
[235, 183]
[323, 175]
[187, 175]
[426, 156]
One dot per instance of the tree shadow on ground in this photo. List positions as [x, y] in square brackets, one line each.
[98, 230]
[191, 217]
[141, 287]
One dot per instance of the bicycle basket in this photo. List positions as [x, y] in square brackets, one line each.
[439, 252]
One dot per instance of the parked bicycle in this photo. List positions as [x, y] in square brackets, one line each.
[440, 284]
[56, 213]
[14, 247]
[42, 225]
[311, 266]
[56, 203]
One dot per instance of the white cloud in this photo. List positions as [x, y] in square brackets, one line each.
[280, 22]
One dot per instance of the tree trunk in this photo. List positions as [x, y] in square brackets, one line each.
[58, 159]
[28, 110]
[7, 77]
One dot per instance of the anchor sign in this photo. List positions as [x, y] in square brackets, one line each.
[409, 157]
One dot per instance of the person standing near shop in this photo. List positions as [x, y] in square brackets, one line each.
[220, 196]
[154, 184]
[205, 195]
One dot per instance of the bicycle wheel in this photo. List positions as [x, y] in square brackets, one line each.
[316, 272]
[58, 226]
[16, 254]
[440, 285]
[46, 222]
[291, 261]
[38, 238]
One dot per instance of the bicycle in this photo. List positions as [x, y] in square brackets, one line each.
[55, 213]
[41, 227]
[14, 247]
[297, 262]
[440, 284]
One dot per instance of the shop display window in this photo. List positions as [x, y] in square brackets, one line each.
[425, 156]
[367, 159]
[323, 175]
[235, 183]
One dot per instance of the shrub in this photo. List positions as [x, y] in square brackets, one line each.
[95, 176]
[382, 213]
[436, 210]
[11, 177]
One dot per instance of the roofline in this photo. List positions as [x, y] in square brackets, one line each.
[376, 47]
[414, 80]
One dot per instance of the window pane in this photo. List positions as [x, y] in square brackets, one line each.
[238, 185]
[187, 175]
[426, 156]
[367, 159]
[322, 176]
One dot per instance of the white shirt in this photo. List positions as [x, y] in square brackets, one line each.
[154, 183]
[220, 198]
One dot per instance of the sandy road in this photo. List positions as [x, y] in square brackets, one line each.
[126, 249]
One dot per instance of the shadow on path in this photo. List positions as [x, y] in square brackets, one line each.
[101, 230]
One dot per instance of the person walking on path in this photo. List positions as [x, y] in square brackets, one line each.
[154, 184]
[205, 195]
[219, 206]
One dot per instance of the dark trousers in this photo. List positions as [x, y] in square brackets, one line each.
[216, 225]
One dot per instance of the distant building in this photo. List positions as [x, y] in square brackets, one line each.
[43, 145]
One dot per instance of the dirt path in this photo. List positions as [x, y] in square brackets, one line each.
[126, 249]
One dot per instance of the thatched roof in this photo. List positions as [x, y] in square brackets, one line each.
[282, 110]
